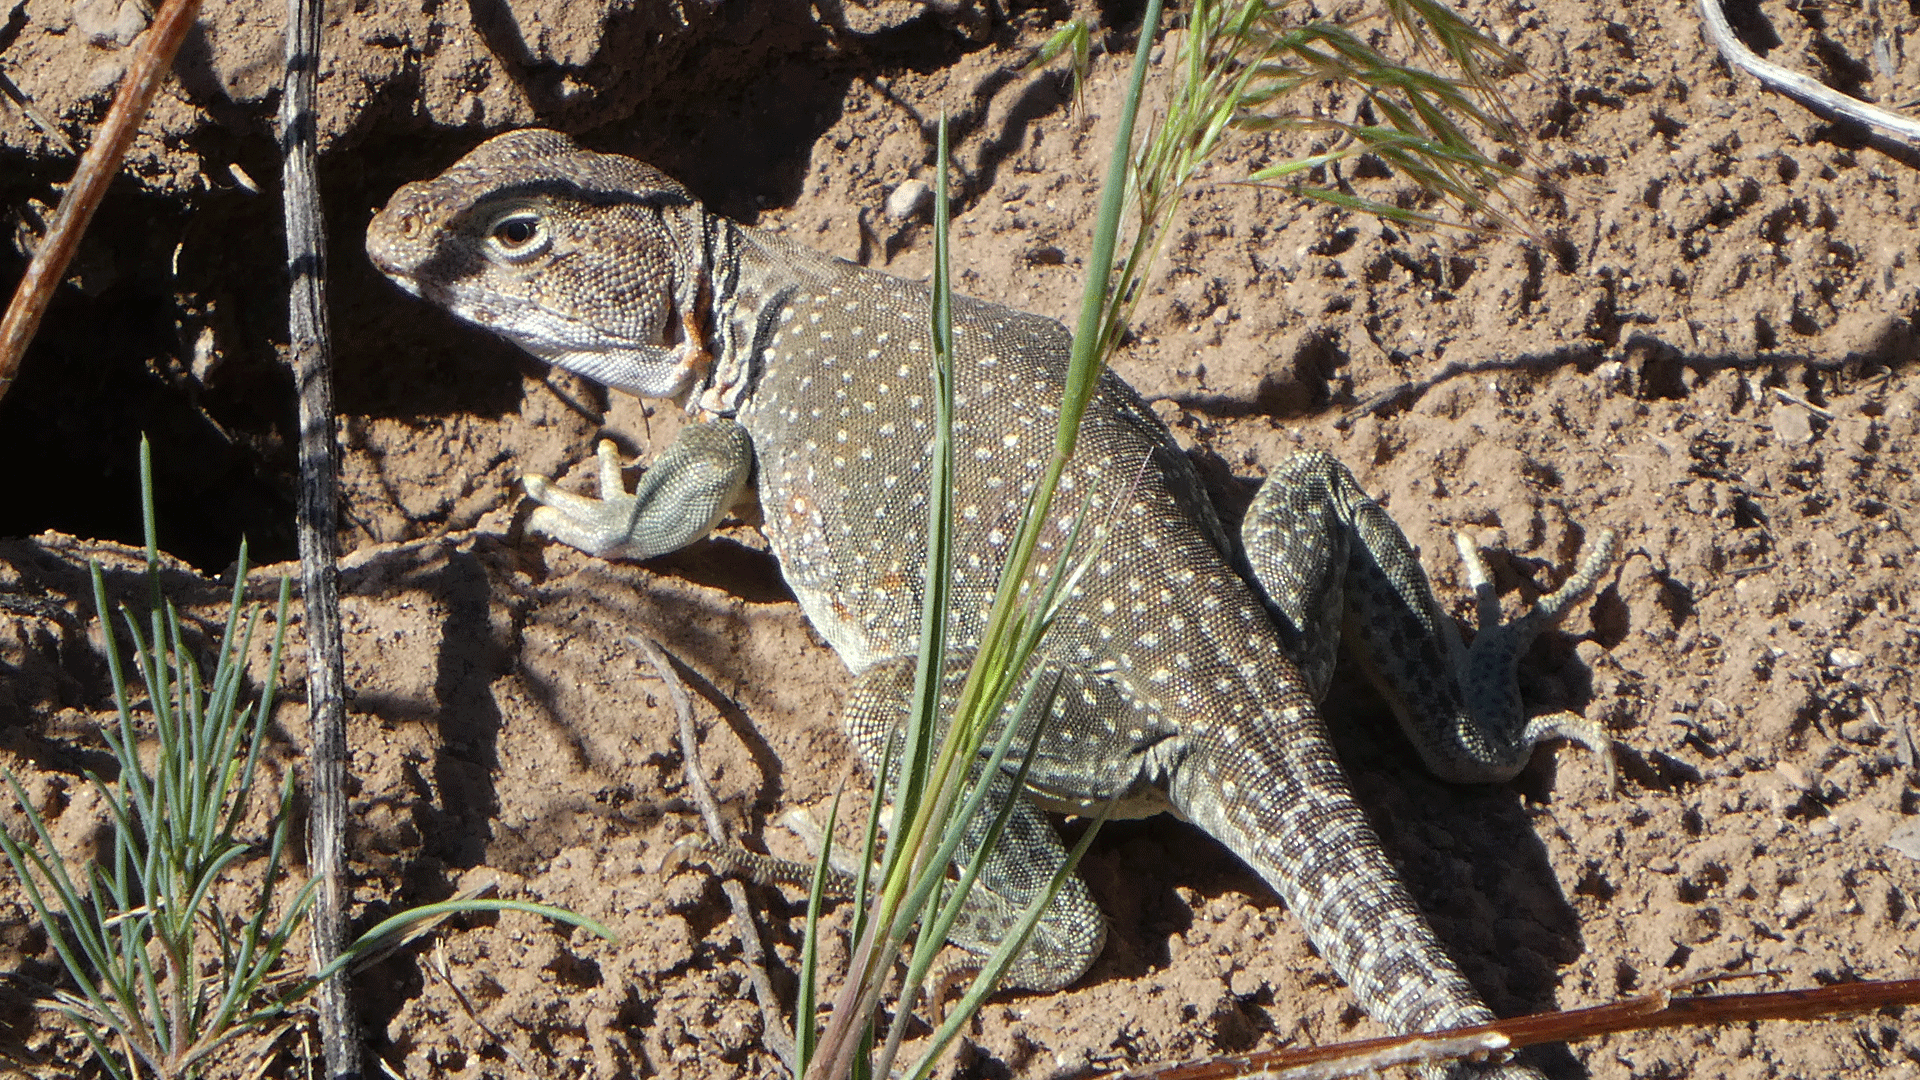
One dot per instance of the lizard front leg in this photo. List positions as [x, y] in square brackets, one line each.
[679, 500]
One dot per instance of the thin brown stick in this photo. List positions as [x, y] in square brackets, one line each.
[775, 1034]
[309, 338]
[98, 166]
[1808, 92]
[1634, 1014]
[27, 108]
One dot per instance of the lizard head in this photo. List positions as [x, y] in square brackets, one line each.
[590, 261]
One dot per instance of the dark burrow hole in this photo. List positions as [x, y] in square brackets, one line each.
[114, 359]
[177, 330]
[181, 330]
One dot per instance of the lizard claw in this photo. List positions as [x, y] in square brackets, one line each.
[1575, 728]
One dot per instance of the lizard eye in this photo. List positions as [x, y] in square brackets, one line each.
[518, 236]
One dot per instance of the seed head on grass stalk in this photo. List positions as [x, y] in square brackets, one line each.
[1418, 123]
[1425, 122]
[1241, 66]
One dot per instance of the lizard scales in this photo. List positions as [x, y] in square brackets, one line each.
[1184, 687]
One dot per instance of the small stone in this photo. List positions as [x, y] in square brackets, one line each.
[1905, 839]
[1795, 777]
[1846, 659]
[1791, 423]
[1794, 904]
[1862, 731]
[909, 199]
[1613, 377]
[108, 24]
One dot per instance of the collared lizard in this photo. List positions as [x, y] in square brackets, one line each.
[1184, 686]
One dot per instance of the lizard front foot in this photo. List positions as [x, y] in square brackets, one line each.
[598, 526]
[679, 500]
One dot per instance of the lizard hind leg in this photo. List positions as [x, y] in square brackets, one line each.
[1332, 561]
[1016, 870]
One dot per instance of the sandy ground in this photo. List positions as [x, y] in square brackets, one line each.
[1711, 350]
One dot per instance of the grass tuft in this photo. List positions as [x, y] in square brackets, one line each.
[168, 971]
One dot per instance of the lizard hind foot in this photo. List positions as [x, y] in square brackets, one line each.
[1575, 728]
[1596, 556]
[1492, 659]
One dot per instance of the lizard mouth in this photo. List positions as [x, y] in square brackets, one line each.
[645, 368]
[549, 335]
[399, 277]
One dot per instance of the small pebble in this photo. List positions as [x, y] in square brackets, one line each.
[909, 199]
[1905, 839]
[1613, 377]
[109, 25]
[1791, 424]
[1861, 730]
[1794, 904]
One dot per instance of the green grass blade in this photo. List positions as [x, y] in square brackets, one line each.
[805, 1035]
[930, 667]
[919, 900]
[53, 871]
[121, 703]
[103, 1051]
[57, 931]
[1003, 957]
[263, 707]
[1088, 347]
[395, 925]
[936, 934]
[244, 975]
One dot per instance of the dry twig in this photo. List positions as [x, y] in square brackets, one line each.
[1814, 95]
[1635, 1014]
[775, 1034]
[309, 339]
[98, 166]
